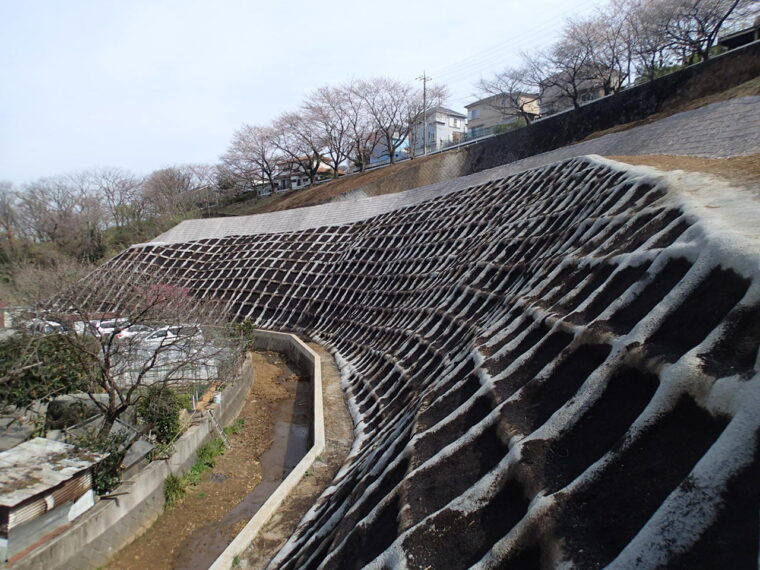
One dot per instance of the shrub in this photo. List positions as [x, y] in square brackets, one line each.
[245, 330]
[208, 452]
[175, 488]
[160, 408]
[185, 401]
[174, 491]
[38, 367]
[235, 428]
[107, 473]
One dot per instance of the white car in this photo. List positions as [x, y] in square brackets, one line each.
[46, 327]
[173, 335]
[134, 332]
[109, 326]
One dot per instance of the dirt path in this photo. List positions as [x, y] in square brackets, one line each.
[175, 536]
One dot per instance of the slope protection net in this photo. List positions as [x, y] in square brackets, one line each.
[558, 366]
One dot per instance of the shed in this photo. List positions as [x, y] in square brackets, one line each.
[45, 485]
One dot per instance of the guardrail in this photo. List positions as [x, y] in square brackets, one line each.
[306, 359]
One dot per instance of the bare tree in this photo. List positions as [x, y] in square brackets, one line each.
[64, 210]
[166, 192]
[364, 136]
[394, 108]
[651, 46]
[564, 72]
[694, 25]
[116, 367]
[8, 220]
[328, 110]
[120, 191]
[252, 156]
[512, 94]
[204, 191]
[608, 41]
[300, 143]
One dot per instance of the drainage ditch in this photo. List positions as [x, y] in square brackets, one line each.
[275, 436]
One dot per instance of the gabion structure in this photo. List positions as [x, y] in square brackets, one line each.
[554, 368]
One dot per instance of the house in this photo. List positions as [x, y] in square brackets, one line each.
[44, 486]
[589, 84]
[380, 154]
[742, 37]
[485, 114]
[444, 126]
[291, 174]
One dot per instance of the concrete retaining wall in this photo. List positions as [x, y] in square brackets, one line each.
[632, 104]
[309, 363]
[113, 523]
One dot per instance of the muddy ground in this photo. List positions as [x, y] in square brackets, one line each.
[173, 540]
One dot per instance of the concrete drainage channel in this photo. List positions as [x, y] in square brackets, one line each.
[306, 360]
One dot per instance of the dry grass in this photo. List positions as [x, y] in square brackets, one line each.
[742, 169]
[729, 168]
[323, 192]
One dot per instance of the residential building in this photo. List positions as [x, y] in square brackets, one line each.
[555, 99]
[485, 114]
[444, 126]
[291, 174]
[380, 154]
[742, 37]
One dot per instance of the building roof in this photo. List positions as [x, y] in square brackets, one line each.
[745, 31]
[38, 465]
[497, 96]
[448, 111]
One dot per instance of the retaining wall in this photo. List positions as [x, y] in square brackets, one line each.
[113, 523]
[632, 104]
[516, 357]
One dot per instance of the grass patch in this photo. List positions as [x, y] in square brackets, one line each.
[175, 488]
[235, 428]
[174, 491]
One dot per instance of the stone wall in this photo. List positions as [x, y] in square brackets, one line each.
[113, 523]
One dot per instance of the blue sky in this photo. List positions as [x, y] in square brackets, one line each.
[143, 85]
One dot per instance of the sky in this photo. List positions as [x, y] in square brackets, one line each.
[142, 85]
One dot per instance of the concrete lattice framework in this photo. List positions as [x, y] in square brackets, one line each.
[557, 366]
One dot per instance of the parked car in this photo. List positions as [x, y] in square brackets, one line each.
[44, 326]
[109, 326]
[135, 332]
[173, 335]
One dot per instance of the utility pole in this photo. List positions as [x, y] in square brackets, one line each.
[424, 78]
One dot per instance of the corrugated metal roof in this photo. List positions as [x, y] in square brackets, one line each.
[67, 492]
[38, 465]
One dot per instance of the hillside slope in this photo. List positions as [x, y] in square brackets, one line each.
[555, 367]
[452, 164]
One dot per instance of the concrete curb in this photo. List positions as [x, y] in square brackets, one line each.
[296, 349]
